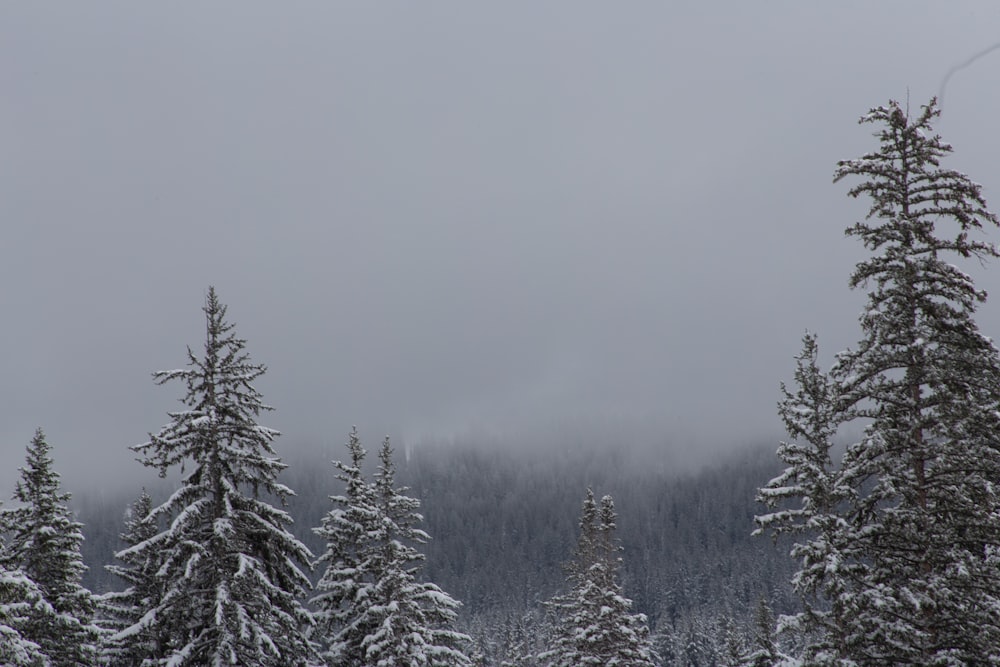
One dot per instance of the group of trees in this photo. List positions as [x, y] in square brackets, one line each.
[596, 625]
[897, 538]
[899, 542]
[213, 576]
[504, 519]
[370, 603]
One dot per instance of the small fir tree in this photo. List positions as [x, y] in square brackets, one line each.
[734, 645]
[414, 617]
[523, 638]
[597, 626]
[379, 614]
[809, 502]
[764, 650]
[125, 609]
[346, 585]
[44, 544]
[231, 574]
[564, 607]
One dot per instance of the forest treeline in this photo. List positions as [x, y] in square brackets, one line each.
[503, 522]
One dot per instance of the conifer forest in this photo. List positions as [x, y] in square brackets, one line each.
[868, 536]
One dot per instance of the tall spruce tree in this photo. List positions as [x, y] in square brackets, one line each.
[43, 543]
[371, 602]
[230, 575]
[912, 574]
[597, 626]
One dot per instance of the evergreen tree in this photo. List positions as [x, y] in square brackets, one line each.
[21, 606]
[565, 606]
[597, 626]
[125, 609]
[414, 617]
[44, 544]
[764, 651]
[379, 614]
[735, 651]
[912, 571]
[810, 502]
[521, 644]
[346, 585]
[229, 580]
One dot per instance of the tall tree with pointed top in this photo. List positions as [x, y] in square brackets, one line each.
[917, 538]
[44, 544]
[231, 574]
[597, 625]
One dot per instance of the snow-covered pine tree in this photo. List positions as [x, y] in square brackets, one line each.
[565, 608]
[43, 543]
[371, 606]
[916, 578]
[21, 604]
[231, 573]
[414, 618]
[764, 650]
[929, 381]
[597, 626]
[522, 640]
[734, 645]
[809, 503]
[346, 585]
[125, 609]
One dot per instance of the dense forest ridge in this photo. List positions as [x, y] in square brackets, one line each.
[896, 540]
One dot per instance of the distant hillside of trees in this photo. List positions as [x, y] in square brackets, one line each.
[503, 521]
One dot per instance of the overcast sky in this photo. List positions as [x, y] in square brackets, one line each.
[430, 219]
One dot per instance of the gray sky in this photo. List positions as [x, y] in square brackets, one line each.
[436, 218]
